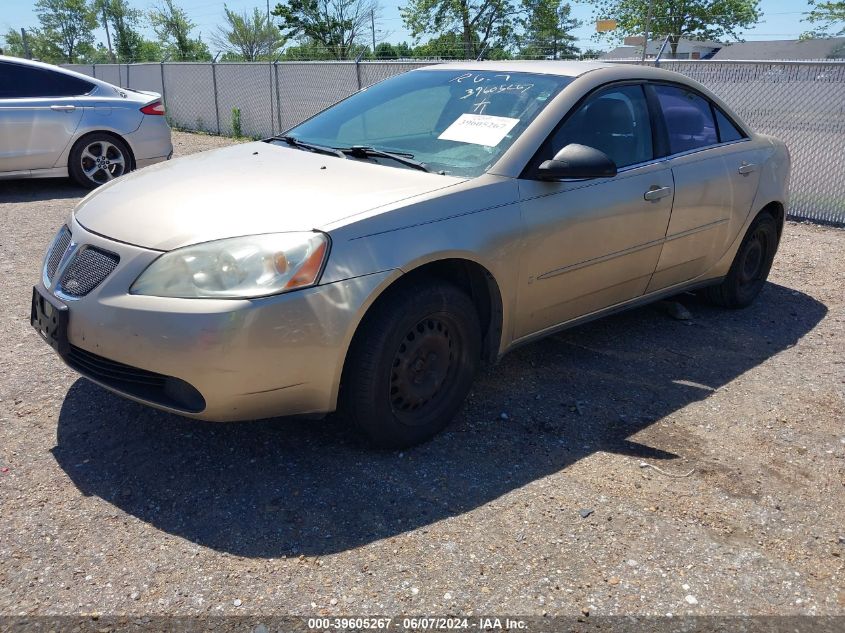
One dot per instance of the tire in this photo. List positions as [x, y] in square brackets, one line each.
[750, 267]
[98, 158]
[412, 363]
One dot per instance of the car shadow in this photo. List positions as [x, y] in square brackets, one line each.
[285, 487]
[35, 189]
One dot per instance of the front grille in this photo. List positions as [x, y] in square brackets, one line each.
[140, 383]
[60, 244]
[87, 270]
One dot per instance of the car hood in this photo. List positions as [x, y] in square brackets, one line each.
[243, 190]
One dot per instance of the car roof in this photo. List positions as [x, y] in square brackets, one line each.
[564, 68]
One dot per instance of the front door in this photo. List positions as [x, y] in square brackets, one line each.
[591, 244]
[39, 113]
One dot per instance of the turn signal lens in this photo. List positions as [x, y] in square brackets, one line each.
[310, 268]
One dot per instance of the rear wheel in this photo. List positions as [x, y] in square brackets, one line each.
[412, 363]
[97, 159]
[751, 266]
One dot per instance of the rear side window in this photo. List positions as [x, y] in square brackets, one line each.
[727, 130]
[689, 119]
[614, 121]
[20, 82]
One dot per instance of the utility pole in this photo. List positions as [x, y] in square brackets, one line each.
[647, 26]
[373, 29]
[27, 53]
[269, 35]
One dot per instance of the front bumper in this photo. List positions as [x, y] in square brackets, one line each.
[273, 356]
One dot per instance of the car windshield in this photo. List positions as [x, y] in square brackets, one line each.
[455, 122]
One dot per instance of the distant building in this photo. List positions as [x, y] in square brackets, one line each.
[687, 49]
[817, 48]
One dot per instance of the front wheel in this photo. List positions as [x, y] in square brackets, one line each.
[412, 363]
[97, 159]
[750, 267]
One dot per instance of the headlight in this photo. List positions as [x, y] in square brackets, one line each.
[240, 267]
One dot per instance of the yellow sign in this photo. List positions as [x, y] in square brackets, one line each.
[603, 26]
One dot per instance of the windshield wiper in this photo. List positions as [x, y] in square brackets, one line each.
[365, 151]
[322, 149]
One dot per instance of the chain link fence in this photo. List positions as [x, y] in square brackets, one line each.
[802, 103]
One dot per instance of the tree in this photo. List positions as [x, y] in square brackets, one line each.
[98, 54]
[306, 50]
[386, 51]
[124, 21]
[449, 45]
[590, 53]
[693, 19]
[38, 46]
[128, 41]
[404, 50]
[249, 37]
[828, 14]
[173, 28]
[69, 24]
[479, 23]
[546, 30]
[335, 25]
[100, 13]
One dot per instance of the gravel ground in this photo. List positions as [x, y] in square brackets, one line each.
[534, 501]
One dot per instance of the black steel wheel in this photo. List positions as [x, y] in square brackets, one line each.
[751, 265]
[422, 366]
[412, 363]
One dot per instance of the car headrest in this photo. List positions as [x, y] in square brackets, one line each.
[686, 120]
[613, 113]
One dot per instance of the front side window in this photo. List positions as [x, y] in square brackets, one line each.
[688, 117]
[18, 81]
[614, 121]
[456, 122]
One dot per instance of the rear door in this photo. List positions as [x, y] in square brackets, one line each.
[39, 113]
[715, 172]
[591, 244]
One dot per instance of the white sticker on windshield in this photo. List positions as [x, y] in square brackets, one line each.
[479, 129]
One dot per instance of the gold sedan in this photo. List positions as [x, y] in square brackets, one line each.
[373, 256]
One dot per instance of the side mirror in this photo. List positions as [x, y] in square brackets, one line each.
[577, 162]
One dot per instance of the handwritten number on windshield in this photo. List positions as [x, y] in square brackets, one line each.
[476, 78]
[482, 92]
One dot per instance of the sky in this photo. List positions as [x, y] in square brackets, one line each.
[781, 19]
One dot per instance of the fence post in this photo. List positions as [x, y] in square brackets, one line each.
[278, 98]
[214, 82]
[272, 120]
[127, 75]
[358, 70]
[163, 91]
[94, 71]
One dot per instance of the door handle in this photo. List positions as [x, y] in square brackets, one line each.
[747, 168]
[656, 193]
[63, 108]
